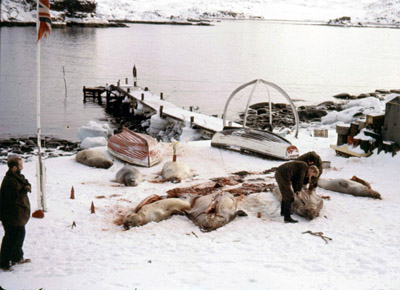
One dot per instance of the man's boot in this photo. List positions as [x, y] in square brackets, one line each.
[282, 208]
[287, 213]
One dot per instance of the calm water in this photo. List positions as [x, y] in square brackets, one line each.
[198, 66]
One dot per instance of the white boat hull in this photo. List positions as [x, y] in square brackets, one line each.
[255, 142]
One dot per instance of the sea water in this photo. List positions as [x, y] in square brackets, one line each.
[197, 66]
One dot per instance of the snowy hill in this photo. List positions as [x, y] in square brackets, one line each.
[376, 12]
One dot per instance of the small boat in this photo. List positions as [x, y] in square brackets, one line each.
[255, 142]
[135, 148]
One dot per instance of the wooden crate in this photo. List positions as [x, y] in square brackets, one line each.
[375, 120]
[321, 133]
[342, 129]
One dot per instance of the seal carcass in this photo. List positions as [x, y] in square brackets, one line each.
[348, 186]
[129, 176]
[213, 211]
[307, 203]
[175, 171]
[155, 212]
[94, 158]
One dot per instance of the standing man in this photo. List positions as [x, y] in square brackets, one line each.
[290, 177]
[14, 214]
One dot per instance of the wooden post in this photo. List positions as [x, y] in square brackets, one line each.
[99, 98]
[129, 90]
[134, 83]
[191, 108]
[126, 81]
[142, 97]
[125, 109]
[161, 96]
[108, 96]
[191, 121]
[84, 94]
[161, 111]
[119, 82]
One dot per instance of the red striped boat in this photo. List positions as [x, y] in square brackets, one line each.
[135, 148]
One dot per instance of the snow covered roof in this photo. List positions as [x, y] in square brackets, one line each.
[392, 97]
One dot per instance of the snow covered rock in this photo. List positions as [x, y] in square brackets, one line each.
[157, 124]
[94, 129]
[90, 142]
[353, 110]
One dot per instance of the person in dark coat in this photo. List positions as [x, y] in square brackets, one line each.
[290, 177]
[312, 158]
[14, 213]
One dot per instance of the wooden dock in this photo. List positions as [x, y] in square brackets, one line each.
[93, 93]
[127, 99]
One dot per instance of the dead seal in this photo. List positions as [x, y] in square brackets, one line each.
[93, 158]
[348, 186]
[155, 212]
[129, 176]
[306, 204]
[175, 171]
[213, 211]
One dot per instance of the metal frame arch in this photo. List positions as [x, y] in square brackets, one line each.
[278, 88]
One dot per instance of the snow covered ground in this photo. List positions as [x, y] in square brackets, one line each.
[248, 253]
[378, 12]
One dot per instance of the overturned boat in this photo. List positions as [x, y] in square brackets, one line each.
[254, 141]
[135, 148]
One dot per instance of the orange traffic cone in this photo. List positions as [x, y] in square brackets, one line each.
[92, 208]
[72, 193]
[39, 214]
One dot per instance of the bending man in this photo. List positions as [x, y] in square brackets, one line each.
[290, 177]
[312, 158]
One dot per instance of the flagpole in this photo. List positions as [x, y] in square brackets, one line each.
[40, 166]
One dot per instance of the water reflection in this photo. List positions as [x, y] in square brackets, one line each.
[193, 66]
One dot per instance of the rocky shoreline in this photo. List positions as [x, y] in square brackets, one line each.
[282, 116]
[26, 147]
[258, 118]
[64, 24]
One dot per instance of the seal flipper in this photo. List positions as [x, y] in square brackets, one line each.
[241, 213]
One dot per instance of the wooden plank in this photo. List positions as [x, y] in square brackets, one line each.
[345, 150]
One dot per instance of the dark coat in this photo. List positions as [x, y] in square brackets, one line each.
[294, 172]
[290, 177]
[15, 208]
[314, 159]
